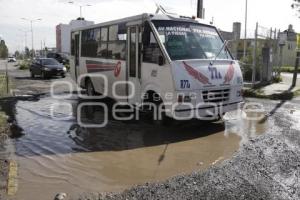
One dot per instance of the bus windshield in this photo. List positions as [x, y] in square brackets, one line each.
[185, 40]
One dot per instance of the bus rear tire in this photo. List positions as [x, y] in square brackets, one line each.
[90, 90]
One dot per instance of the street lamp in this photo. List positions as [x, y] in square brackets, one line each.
[80, 7]
[25, 36]
[246, 19]
[31, 21]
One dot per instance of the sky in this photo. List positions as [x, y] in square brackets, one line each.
[269, 13]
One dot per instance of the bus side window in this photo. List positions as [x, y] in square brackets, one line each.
[117, 42]
[72, 44]
[151, 49]
[89, 42]
[102, 46]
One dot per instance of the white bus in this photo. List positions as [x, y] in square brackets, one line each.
[179, 63]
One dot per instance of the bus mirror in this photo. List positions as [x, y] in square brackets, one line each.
[161, 60]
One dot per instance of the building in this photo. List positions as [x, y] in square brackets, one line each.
[288, 43]
[235, 34]
[43, 52]
[63, 34]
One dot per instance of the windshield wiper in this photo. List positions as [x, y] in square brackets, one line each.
[223, 46]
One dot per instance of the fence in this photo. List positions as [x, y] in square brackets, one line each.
[257, 53]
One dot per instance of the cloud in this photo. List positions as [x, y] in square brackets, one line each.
[54, 12]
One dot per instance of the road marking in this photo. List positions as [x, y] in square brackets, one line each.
[12, 184]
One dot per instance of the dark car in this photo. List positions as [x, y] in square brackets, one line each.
[59, 57]
[47, 67]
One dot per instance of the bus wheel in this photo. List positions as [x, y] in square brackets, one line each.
[163, 119]
[90, 88]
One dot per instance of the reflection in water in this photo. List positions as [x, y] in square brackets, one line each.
[62, 156]
[245, 124]
[125, 135]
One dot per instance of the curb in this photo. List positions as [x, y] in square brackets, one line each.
[12, 183]
[286, 95]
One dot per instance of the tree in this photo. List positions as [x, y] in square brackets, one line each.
[296, 6]
[27, 52]
[3, 50]
[32, 53]
[18, 54]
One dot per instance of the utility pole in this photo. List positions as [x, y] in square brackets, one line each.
[200, 9]
[297, 62]
[296, 69]
[25, 40]
[280, 57]
[6, 78]
[31, 28]
[246, 20]
[282, 37]
[25, 36]
[254, 57]
[80, 7]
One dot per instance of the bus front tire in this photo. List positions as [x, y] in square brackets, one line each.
[162, 118]
[90, 90]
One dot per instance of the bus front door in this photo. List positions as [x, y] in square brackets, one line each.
[76, 46]
[134, 64]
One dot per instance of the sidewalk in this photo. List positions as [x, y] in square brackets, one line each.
[277, 91]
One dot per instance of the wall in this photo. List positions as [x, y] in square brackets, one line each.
[289, 53]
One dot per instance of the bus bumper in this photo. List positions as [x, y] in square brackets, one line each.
[209, 112]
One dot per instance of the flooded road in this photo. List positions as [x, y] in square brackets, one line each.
[57, 155]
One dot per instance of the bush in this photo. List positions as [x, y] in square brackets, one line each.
[24, 65]
[247, 72]
[287, 69]
[277, 79]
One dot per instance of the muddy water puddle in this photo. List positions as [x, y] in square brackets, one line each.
[58, 155]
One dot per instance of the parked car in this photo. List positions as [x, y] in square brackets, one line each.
[11, 59]
[59, 57]
[47, 67]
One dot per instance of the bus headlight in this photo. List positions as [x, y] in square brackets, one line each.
[65, 69]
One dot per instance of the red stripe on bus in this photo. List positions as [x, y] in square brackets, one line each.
[196, 74]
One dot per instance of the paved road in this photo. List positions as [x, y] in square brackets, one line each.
[23, 84]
